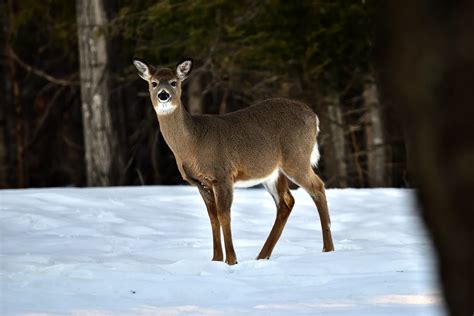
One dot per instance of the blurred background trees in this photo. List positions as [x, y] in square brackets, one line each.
[314, 51]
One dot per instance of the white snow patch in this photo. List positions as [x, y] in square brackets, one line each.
[147, 251]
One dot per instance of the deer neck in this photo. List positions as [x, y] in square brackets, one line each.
[178, 129]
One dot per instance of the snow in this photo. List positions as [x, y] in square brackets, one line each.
[147, 251]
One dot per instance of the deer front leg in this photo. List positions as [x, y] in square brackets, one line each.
[209, 199]
[223, 196]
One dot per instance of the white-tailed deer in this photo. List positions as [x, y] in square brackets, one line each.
[267, 143]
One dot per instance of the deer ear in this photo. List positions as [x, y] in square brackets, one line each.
[183, 68]
[143, 69]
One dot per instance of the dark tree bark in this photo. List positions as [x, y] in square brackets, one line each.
[100, 138]
[425, 57]
[5, 96]
[12, 139]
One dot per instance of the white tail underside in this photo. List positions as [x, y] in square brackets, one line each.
[315, 152]
[315, 155]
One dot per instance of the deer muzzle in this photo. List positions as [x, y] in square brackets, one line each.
[164, 96]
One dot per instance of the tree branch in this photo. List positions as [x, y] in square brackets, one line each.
[39, 72]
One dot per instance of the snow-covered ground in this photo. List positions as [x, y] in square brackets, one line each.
[147, 251]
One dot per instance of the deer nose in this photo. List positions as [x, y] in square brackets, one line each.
[163, 95]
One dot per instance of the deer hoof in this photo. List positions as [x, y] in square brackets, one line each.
[231, 262]
[263, 257]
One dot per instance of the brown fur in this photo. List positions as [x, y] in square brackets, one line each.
[213, 152]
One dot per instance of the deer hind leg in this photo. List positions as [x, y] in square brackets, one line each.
[284, 202]
[307, 179]
[223, 193]
[210, 201]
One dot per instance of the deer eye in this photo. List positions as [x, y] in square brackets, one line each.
[154, 84]
[173, 83]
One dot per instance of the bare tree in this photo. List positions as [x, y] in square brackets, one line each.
[426, 69]
[195, 104]
[376, 158]
[100, 138]
[334, 143]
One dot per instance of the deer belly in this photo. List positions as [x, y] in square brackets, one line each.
[272, 177]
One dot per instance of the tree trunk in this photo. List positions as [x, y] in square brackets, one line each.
[6, 97]
[426, 67]
[12, 140]
[335, 145]
[195, 95]
[19, 129]
[375, 138]
[100, 138]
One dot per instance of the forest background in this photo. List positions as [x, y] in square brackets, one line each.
[60, 57]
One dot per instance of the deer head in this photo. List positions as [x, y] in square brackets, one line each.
[164, 84]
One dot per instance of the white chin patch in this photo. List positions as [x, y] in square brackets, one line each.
[164, 108]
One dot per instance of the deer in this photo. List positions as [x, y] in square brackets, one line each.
[269, 143]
